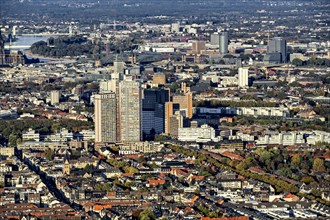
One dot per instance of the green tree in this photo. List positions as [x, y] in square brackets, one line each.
[296, 161]
[12, 140]
[89, 168]
[318, 165]
[49, 154]
[130, 170]
[147, 214]
[307, 179]
[297, 62]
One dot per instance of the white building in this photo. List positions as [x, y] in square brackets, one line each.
[264, 111]
[289, 138]
[62, 136]
[318, 136]
[228, 80]
[31, 135]
[202, 134]
[243, 77]
[54, 97]
[253, 111]
[88, 135]
[144, 147]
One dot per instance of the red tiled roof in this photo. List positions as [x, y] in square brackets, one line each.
[100, 207]
[156, 182]
[257, 170]
[232, 155]
[198, 178]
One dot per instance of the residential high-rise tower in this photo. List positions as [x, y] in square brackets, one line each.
[224, 43]
[106, 117]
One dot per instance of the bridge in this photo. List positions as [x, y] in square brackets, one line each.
[17, 47]
[45, 34]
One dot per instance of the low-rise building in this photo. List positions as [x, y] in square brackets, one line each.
[201, 134]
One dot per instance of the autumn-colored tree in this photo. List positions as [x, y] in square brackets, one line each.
[318, 165]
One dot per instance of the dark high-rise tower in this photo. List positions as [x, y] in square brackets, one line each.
[278, 45]
[153, 110]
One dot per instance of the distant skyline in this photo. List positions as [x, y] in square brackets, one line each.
[130, 8]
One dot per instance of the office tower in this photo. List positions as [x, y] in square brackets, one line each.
[277, 46]
[130, 110]
[106, 117]
[54, 97]
[176, 122]
[159, 79]
[224, 43]
[168, 114]
[126, 108]
[198, 47]
[185, 103]
[215, 39]
[153, 110]
[243, 77]
[118, 67]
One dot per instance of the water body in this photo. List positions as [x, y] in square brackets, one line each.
[24, 42]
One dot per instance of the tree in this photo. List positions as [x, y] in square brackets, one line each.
[307, 179]
[296, 161]
[89, 168]
[297, 62]
[49, 154]
[147, 215]
[130, 170]
[318, 165]
[12, 140]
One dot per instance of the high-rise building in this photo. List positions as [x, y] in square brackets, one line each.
[130, 110]
[168, 115]
[106, 117]
[176, 122]
[185, 103]
[125, 113]
[278, 46]
[224, 42]
[215, 39]
[118, 67]
[243, 77]
[54, 97]
[153, 110]
[198, 47]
